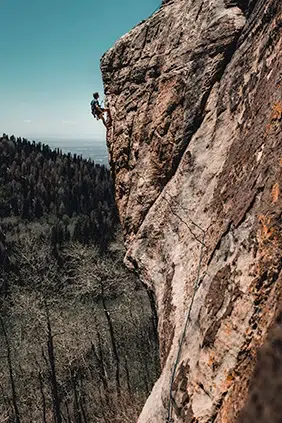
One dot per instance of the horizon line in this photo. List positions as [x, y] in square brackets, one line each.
[41, 138]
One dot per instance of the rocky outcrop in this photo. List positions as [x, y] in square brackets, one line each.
[196, 155]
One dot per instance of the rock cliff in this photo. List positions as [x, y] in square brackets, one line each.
[196, 156]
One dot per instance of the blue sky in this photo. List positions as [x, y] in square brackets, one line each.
[50, 52]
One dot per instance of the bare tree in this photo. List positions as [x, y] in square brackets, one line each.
[91, 321]
[10, 369]
[113, 339]
[41, 384]
[53, 376]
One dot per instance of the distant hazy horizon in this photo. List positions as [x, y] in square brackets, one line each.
[88, 148]
[66, 139]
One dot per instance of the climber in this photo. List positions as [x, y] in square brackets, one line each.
[98, 111]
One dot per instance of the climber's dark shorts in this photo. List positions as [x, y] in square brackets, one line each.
[98, 115]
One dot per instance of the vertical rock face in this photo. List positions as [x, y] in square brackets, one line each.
[196, 156]
[158, 79]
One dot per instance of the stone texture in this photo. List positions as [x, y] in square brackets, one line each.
[157, 80]
[196, 155]
[264, 402]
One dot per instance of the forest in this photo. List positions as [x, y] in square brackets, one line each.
[78, 330]
[73, 195]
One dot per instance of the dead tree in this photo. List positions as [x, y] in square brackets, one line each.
[10, 369]
[76, 405]
[127, 376]
[68, 412]
[99, 358]
[41, 386]
[52, 365]
[113, 340]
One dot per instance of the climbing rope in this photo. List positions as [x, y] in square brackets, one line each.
[157, 9]
[183, 336]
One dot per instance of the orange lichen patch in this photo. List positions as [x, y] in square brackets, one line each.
[211, 359]
[276, 112]
[228, 329]
[275, 193]
[276, 116]
[229, 380]
[266, 230]
[248, 331]
[230, 377]
[280, 161]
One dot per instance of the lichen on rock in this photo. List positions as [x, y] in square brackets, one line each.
[195, 147]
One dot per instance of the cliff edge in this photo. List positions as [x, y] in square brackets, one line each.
[196, 156]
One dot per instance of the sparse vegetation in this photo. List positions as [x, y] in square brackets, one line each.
[78, 341]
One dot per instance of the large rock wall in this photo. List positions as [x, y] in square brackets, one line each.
[196, 156]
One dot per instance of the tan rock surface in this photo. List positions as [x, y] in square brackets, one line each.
[196, 148]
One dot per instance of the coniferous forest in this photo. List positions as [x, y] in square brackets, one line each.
[74, 196]
[78, 339]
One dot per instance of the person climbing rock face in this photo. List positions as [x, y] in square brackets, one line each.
[98, 111]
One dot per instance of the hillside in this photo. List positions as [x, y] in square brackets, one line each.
[195, 151]
[77, 329]
[37, 183]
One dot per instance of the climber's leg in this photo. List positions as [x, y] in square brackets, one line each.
[101, 116]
